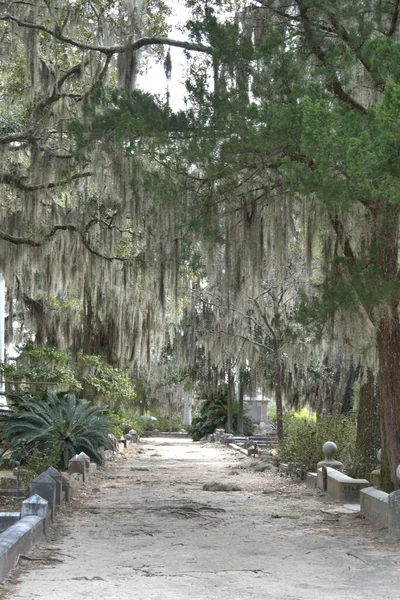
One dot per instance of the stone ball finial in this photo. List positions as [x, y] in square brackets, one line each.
[379, 455]
[398, 473]
[329, 449]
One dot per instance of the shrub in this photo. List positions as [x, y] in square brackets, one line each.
[36, 460]
[306, 436]
[124, 419]
[69, 425]
[213, 415]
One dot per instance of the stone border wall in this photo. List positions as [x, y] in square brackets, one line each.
[378, 506]
[49, 492]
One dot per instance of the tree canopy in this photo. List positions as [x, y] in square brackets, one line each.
[257, 227]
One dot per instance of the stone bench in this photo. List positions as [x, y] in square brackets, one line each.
[374, 504]
[341, 487]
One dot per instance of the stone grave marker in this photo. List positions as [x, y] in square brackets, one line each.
[45, 486]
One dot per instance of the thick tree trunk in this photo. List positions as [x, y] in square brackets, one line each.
[278, 392]
[170, 418]
[388, 341]
[368, 439]
[240, 408]
[229, 422]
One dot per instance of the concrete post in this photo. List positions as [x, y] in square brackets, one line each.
[45, 486]
[34, 505]
[85, 457]
[56, 475]
[394, 514]
[78, 464]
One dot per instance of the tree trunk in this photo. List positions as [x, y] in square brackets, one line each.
[368, 439]
[388, 340]
[170, 418]
[229, 421]
[278, 391]
[240, 428]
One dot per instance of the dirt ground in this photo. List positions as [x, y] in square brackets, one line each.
[145, 528]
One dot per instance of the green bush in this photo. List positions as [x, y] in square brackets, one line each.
[306, 436]
[213, 415]
[126, 418]
[68, 425]
[35, 460]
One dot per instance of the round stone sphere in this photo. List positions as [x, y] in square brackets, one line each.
[398, 472]
[329, 449]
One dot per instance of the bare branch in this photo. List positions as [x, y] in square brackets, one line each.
[110, 50]
[16, 182]
[22, 241]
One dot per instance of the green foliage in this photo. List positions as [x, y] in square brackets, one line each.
[213, 414]
[34, 460]
[52, 368]
[162, 415]
[41, 364]
[68, 425]
[103, 381]
[125, 419]
[306, 436]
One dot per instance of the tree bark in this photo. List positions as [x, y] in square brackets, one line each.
[229, 421]
[368, 439]
[170, 418]
[387, 328]
[278, 391]
[388, 341]
[240, 408]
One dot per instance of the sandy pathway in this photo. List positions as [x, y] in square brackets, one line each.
[146, 529]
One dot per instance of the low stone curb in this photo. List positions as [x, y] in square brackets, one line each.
[49, 491]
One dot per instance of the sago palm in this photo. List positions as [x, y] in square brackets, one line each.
[62, 421]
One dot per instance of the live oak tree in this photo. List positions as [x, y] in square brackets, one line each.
[293, 103]
[306, 95]
[328, 95]
[76, 252]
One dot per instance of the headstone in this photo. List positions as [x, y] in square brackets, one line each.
[78, 464]
[218, 434]
[56, 475]
[105, 456]
[45, 486]
[131, 436]
[187, 414]
[71, 483]
[114, 442]
[85, 457]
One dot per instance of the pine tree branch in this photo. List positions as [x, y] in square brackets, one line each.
[110, 50]
[344, 242]
[395, 19]
[332, 82]
[344, 36]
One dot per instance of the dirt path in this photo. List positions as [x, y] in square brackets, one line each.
[146, 529]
